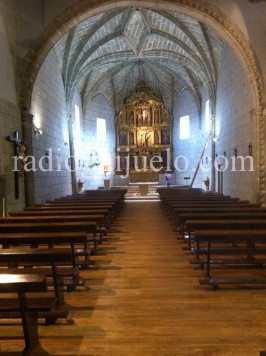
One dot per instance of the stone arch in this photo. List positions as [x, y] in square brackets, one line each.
[203, 12]
[211, 16]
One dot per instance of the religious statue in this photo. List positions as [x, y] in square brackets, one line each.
[140, 139]
[144, 118]
[165, 137]
[156, 116]
[123, 160]
[131, 118]
[156, 137]
[80, 185]
[164, 116]
[147, 135]
[123, 138]
[122, 117]
[139, 117]
[131, 138]
[148, 117]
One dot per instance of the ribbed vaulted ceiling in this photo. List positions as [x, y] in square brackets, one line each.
[113, 52]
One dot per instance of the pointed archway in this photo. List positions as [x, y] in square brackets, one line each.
[207, 14]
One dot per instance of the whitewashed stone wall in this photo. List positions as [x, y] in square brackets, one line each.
[94, 177]
[49, 110]
[190, 148]
[10, 122]
[8, 49]
[205, 167]
[79, 139]
[236, 125]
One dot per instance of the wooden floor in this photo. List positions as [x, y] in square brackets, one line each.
[143, 298]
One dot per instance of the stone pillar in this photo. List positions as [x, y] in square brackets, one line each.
[260, 113]
[213, 136]
[27, 127]
[72, 157]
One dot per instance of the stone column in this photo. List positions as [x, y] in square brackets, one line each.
[27, 128]
[260, 113]
[72, 157]
[213, 136]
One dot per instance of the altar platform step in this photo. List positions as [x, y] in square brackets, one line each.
[133, 193]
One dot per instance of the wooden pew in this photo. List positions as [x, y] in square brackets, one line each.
[89, 227]
[217, 210]
[39, 257]
[228, 233]
[182, 194]
[117, 196]
[10, 258]
[239, 214]
[234, 248]
[189, 196]
[83, 203]
[78, 206]
[22, 284]
[204, 205]
[171, 203]
[55, 206]
[71, 239]
[107, 210]
[118, 200]
[53, 218]
[192, 225]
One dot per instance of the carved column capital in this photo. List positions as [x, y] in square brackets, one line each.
[27, 122]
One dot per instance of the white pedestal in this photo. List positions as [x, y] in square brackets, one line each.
[107, 184]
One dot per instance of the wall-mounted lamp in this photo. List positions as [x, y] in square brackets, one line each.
[250, 149]
[46, 157]
[66, 143]
[37, 131]
[106, 169]
[216, 139]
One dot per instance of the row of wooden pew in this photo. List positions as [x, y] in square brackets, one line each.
[43, 249]
[226, 235]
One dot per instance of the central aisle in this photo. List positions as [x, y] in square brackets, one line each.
[142, 297]
[142, 309]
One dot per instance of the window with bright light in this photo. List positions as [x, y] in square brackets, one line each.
[207, 117]
[184, 127]
[77, 120]
[101, 130]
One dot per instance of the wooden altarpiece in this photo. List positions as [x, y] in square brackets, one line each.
[143, 129]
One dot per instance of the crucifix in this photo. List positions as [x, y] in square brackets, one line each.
[16, 142]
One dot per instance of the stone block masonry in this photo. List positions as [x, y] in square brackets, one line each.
[10, 122]
[50, 115]
[236, 125]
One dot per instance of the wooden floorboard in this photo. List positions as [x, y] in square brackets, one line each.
[142, 297]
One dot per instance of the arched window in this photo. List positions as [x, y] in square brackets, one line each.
[184, 127]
